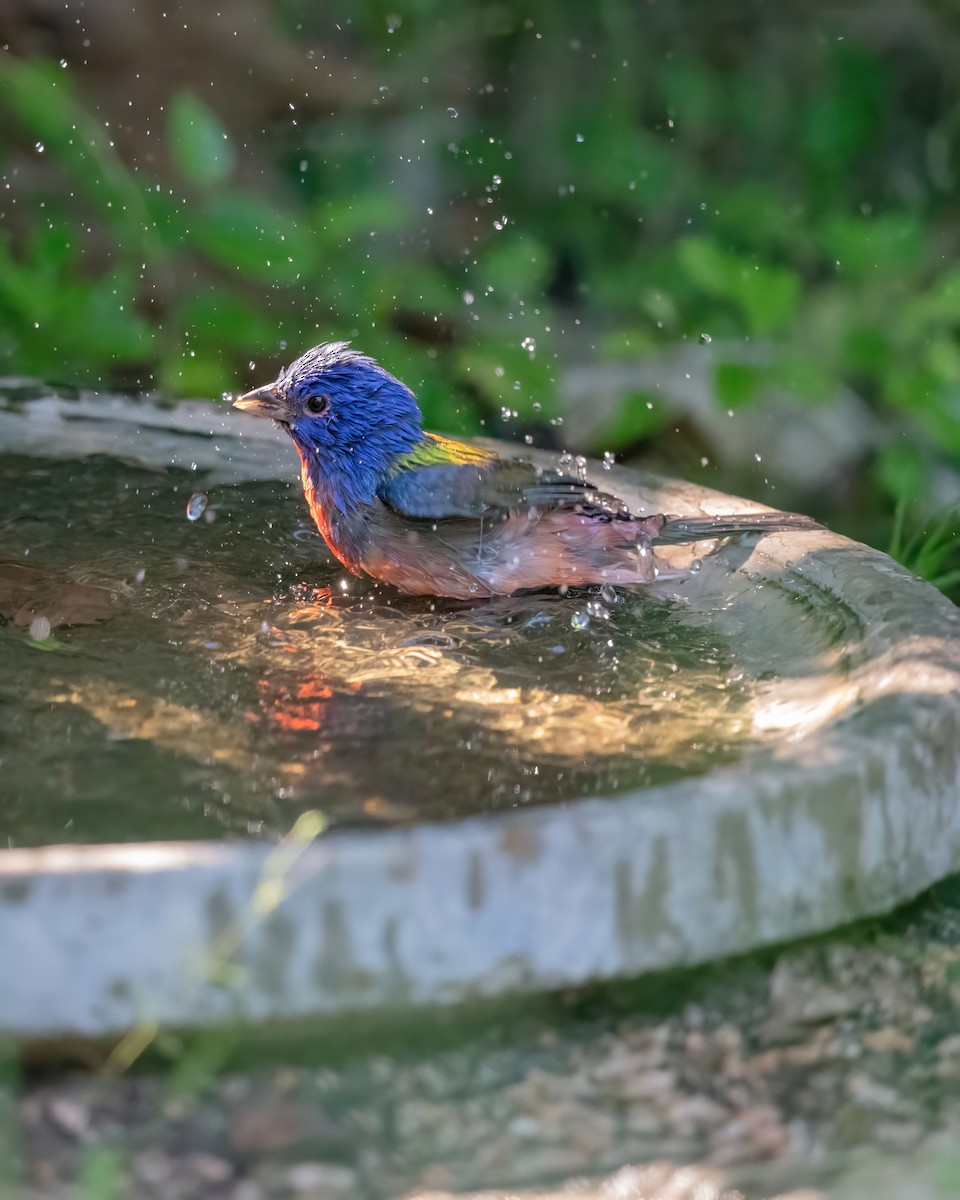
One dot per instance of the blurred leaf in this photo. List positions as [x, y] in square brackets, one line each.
[932, 306]
[737, 385]
[692, 92]
[508, 376]
[758, 215]
[370, 211]
[253, 236]
[767, 295]
[640, 415]
[199, 143]
[808, 377]
[514, 264]
[943, 358]
[218, 317]
[626, 343]
[839, 120]
[42, 100]
[932, 404]
[100, 1174]
[901, 470]
[864, 247]
[196, 374]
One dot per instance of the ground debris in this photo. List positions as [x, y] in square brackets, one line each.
[773, 1077]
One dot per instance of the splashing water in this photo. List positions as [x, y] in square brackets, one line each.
[238, 685]
[196, 506]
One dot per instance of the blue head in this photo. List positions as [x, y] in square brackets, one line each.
[349, 418]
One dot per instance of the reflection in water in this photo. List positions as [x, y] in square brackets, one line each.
[439, 712]
[244, 679]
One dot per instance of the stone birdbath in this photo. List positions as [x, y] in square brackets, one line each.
[512, 798]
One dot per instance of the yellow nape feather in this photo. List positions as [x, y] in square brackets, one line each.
[436, 451]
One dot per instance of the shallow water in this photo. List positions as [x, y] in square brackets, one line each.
[242, 677]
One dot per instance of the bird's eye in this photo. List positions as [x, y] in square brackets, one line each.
[316, 405]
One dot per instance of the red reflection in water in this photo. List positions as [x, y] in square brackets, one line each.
[297, 706]
[297, 702]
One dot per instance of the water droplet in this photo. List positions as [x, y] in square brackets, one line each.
[528, 438]
[505, 414]
[529, 344]
[597, 610]
[452, 112]
[556, 420]
[195, 506]
[140, 576]
[608, 594]
[695, 566]
[757, 457]
[705, 339]
[472, 588]
[39, 147]
[581, 468]
[468, 297]
[580, 620]
[579, 137]
[39, 629]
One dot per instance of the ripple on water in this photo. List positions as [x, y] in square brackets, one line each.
[238, 684]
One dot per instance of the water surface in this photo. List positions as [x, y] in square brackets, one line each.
[242, 676]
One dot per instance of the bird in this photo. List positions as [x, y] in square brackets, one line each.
[433, 515]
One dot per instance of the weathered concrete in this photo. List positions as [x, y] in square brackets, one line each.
[853, 806]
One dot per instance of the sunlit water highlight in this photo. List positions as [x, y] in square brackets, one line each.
[243, 678]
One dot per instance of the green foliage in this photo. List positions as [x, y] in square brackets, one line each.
[247, 235]
[639, 417]
[766, 295]
[199, 143]
[644, 175]
[737, 385]
[931, 548]
[100, 1174]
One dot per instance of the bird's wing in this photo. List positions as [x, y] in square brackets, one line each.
[442, 478]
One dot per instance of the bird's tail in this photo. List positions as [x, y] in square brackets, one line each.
[695, 529]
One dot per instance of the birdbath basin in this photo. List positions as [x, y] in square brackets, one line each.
[518, 795]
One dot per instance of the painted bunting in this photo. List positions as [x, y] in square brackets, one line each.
[432, 515]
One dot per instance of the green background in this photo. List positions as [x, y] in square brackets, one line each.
[489, 196]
